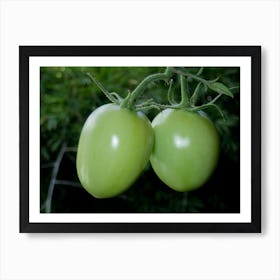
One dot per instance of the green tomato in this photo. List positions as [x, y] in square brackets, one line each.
[114, 147]
[186, 149]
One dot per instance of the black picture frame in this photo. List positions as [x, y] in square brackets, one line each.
[254, 52]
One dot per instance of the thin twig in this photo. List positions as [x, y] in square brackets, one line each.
[151, 78]
[71, 149]
[47, 165]
[185, 201]
[68, 183]
[53, 178]
[112, 97]
[184, 73]
[215, 99]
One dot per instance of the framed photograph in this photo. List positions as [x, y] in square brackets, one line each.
[140, 139]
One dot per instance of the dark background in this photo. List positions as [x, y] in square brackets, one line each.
[68, 97]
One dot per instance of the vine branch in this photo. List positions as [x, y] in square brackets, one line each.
[48, 203]
[152, 78]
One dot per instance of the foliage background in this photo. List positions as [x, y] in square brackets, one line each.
[68, 97]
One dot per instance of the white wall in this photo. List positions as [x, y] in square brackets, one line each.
[139, 256]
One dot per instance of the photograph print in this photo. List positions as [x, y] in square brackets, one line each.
[140, 139]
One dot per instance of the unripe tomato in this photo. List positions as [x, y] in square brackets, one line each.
[186, 149]
[114, 147]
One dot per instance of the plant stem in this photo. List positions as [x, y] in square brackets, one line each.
[111, 96]
[154, 105]
[151, 78]
[170, 95]
[205, 106]
[185, 201]
[195, 94]
[215, 99]
[184, 94]
[68, 183]
[48, 202]
[184, 73]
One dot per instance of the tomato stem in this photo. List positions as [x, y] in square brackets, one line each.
[200, 71]
[112, 96]
[153, 105]
[185, 102]
[194, 97]
[205, 106]
[143, 85]
[187, 74]
[215, 99]
[170, 93]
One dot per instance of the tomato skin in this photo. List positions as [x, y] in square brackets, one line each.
[114, 147]
[186, 149]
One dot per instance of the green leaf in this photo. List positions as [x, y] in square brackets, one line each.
[221, 89]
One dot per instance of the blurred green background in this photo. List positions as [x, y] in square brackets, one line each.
[68, 97]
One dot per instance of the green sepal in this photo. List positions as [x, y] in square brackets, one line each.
[220, 88]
